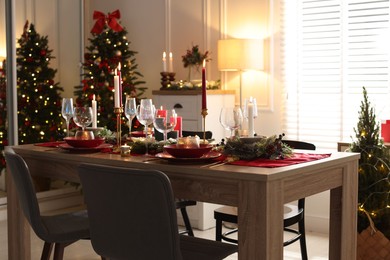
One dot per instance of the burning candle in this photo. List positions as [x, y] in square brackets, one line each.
[204, 102]
[116, 89]
[94, 113]
[164, 60]
[170, 68]
[120, 84]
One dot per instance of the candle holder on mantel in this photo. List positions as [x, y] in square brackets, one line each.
[166, 78]
[204, 114]
[118, 111]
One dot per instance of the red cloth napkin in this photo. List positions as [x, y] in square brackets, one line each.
[296, 158]
[50, 144]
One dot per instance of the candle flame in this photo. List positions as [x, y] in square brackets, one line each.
[119, 66]
[170, 55]
[164, 55]
[116, 73]
[204, 63]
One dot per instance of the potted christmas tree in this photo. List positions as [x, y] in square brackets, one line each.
[374, 187]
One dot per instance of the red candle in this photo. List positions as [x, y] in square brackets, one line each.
[178, 126]
[120, 84]
[204, 103]
[161, 112]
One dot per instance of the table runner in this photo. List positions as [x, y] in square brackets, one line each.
[295, 158]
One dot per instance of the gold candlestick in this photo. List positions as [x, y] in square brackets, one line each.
[118, 111]
[204, 114]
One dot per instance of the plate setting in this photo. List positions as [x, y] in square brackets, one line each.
[205, 158]
[70, 148]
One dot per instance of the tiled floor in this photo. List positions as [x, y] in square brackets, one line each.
[317, 247]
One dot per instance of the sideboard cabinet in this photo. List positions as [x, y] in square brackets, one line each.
[188, 105]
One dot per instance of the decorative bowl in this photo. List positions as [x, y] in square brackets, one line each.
[80, 143]
[183, 152]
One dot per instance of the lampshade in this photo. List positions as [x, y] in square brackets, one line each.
[240, 54]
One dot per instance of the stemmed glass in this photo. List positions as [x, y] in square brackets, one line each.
[165, 121]
[130, 111]
[82, 116]
[231, 118]
[67, 112]
[145, 115]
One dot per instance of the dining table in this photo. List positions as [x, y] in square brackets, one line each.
[259, 193]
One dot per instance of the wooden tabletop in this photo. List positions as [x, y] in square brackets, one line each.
[259, 193]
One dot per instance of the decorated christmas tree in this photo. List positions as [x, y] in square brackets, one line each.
[374, 170]
[108, 52]
[39, 97]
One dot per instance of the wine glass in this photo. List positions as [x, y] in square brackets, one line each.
[67, 112]
[130, 111]
[165, 121]
[145, 115]
[231, 118]
[82, 116]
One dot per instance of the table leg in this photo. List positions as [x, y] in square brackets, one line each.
[343, 216]
[260, 209]
[19, 244]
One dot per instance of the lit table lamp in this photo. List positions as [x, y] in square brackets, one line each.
[240, 55]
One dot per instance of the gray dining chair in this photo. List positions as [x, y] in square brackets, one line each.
[132, 215]
[293, 214]
[59, 230]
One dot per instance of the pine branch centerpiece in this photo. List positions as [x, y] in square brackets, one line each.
[270, 148]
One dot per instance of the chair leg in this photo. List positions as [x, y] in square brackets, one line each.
[47, 248]
[187, 223]
[59, 251]
[302, 240]
[218, 230]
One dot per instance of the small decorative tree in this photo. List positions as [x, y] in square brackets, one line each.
[374, 171]
[109, 47]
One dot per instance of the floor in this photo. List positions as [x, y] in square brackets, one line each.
[317, 245]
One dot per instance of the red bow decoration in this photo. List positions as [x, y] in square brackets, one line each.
[110, 19]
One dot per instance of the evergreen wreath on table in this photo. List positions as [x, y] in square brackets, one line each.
[268, 147]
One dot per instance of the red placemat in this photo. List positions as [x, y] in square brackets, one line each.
[296, 158]
[50, 144]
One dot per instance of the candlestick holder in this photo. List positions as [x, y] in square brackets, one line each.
[204, 114]
[166, 79]
[118, 111]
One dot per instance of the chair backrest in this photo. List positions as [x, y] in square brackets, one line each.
[209, 134]
[26, 192]
[131, 212]
[299, 145]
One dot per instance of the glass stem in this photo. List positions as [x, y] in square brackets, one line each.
[146, 139]
[67, 128]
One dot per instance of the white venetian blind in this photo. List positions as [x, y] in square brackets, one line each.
[331, 49]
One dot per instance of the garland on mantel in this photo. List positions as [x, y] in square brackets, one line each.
[185, 85]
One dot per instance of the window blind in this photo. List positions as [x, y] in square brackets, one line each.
[330, 50]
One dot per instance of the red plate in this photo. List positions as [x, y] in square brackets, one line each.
[85, 149]
[205, 158]
[79, 143]
[180, 152]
